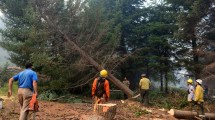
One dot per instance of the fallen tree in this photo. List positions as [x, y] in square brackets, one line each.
[81, 52]
[113, 79]
[189, 114]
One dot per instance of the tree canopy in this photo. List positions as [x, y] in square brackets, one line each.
[125, 36]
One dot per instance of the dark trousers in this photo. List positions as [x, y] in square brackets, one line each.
[191, 104]
[201, 108]
[144, 96]
[125, 96]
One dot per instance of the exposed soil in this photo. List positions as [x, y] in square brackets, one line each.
[130, 110]
[73, 111]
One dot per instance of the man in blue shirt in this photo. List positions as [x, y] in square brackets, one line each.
[27, 86]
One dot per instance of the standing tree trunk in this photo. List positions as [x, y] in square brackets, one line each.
[161, 80]
[166, 83]
[195, 59]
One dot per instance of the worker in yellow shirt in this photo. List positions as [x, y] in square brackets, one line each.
[144, 85]
[199, 96]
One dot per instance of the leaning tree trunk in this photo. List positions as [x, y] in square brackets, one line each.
[113, 79]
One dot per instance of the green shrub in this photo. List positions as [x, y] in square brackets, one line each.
[73, 100]
[116, 95]
[4, 89]
[5, 75]
[141, 112]
[47, 95]
[138, 111]
[177, 98]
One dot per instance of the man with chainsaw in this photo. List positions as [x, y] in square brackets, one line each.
[27, 86]
[144, 86]
[101, 89]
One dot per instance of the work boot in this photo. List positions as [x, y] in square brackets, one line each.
[202, 117]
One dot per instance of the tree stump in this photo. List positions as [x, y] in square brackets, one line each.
[108, 111]
[91, 117]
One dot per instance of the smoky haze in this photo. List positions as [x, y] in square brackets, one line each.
[3, 53]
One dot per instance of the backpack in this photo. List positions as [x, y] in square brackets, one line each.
[100, 90]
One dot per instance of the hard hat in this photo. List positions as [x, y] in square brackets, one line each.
[199, 81]
[103, 73]
[190, 81]
[143, 75]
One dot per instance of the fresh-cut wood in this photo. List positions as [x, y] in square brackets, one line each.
[136, 96]
[189, 114]
[91, 117]
[108, 111]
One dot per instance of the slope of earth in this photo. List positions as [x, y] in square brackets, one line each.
[129, 110]
[126, 110]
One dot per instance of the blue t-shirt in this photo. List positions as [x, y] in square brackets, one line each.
[26, 78]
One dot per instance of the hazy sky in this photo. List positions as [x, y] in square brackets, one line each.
[3, 56]
[3, 53]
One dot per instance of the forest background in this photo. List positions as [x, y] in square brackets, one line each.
[126, 37]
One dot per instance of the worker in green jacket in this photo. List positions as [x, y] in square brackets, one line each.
[199, 96]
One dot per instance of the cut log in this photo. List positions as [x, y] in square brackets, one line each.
[136, 96]
[189, 114]
[108, 111]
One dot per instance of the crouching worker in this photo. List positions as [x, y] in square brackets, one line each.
[100, 89]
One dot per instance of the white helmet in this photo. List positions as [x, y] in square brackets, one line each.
[199, 81]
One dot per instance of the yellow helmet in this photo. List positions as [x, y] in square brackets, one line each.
[103, 73]
[190, 81]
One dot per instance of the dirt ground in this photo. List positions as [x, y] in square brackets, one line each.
[129, 110]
